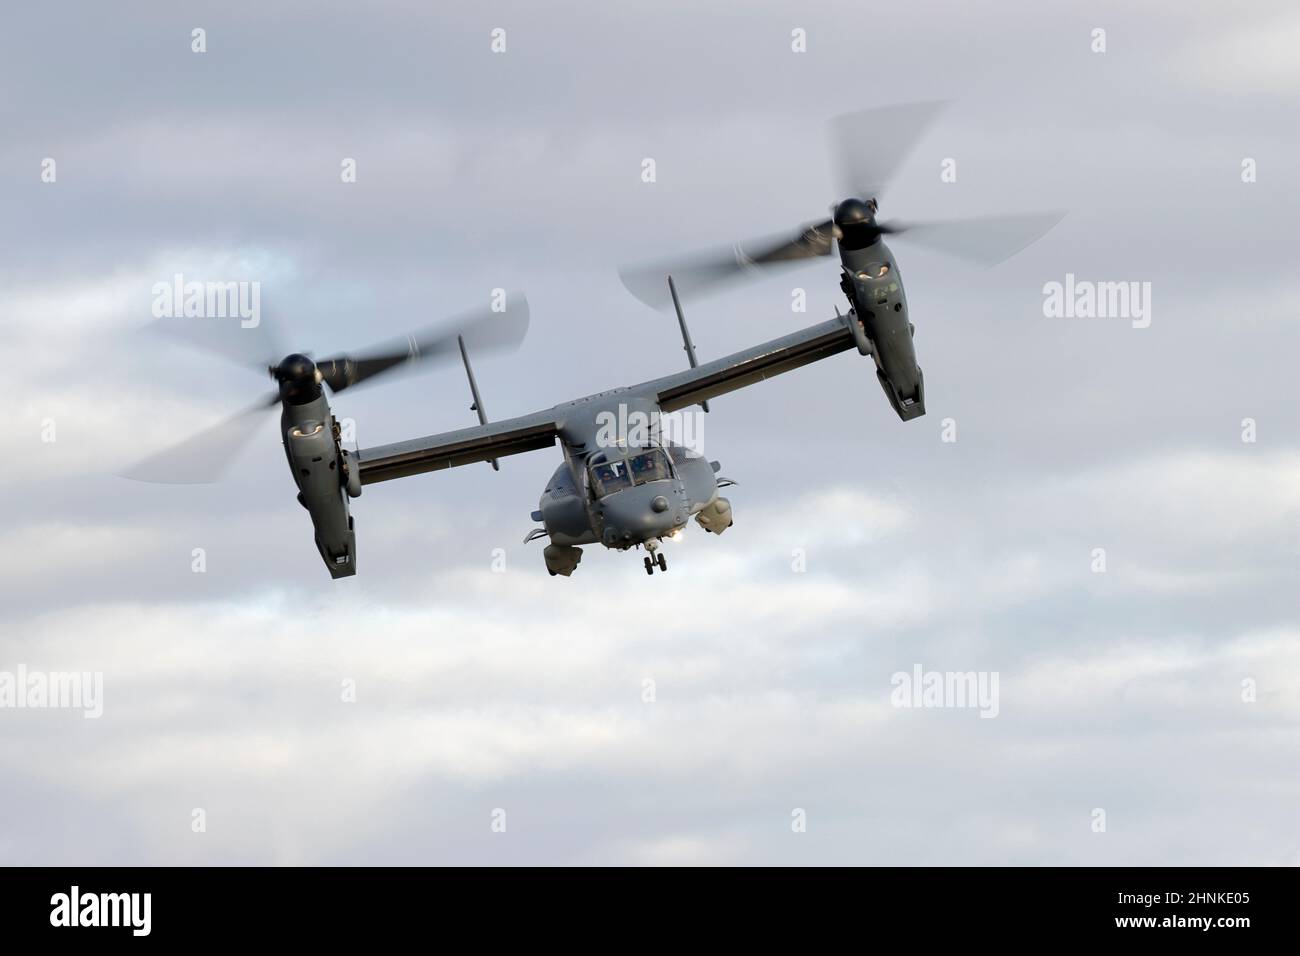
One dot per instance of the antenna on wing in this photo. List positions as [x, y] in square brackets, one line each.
[687, 344]
[473, 390]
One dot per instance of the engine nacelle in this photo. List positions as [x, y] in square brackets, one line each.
[324, 475]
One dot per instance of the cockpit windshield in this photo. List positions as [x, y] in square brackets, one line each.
[608, 477]
[649, 466]
[610, 474]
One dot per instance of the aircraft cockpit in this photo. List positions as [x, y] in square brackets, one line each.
[615, 469]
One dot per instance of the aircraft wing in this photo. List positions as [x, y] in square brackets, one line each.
[753, 365]
[462, 447]
[540, 429]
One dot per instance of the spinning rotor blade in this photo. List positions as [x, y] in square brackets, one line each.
[483, 330]
[253, 346]
[985, 240]
[869, 145]
[203, 457]
[703, 271]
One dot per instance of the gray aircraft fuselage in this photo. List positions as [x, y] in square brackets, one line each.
[571, 508]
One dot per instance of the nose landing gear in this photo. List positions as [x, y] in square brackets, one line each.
[652, 559]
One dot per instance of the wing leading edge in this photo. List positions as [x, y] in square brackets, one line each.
[463, 447]
[751, 366]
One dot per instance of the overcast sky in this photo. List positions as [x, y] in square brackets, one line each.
[480, 690]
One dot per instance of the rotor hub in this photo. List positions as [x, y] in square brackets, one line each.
[295, 368]
[299, 378]
[855, 212]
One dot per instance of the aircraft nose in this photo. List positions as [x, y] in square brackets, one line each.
[636, 515]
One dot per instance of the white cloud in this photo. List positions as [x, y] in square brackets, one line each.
[1246, 55]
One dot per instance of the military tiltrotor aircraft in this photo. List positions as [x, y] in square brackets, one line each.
[621, 487]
